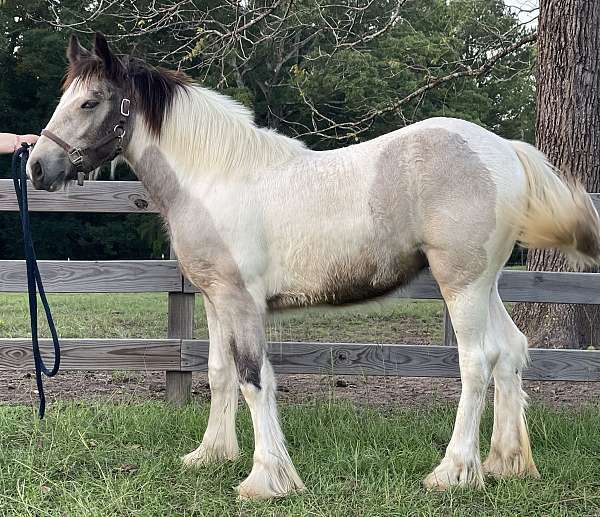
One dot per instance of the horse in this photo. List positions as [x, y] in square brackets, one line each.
[259, 222]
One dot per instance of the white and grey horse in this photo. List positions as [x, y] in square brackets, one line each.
[260, 222]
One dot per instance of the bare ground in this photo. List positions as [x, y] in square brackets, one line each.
[18, 387]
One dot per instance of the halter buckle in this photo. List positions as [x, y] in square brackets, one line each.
[119, 131]
[75, 156]
[125, 105]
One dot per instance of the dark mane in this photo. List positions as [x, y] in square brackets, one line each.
[152, 89]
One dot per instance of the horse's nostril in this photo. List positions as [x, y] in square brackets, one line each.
[37, 173]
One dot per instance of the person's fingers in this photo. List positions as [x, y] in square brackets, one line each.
[30, 139]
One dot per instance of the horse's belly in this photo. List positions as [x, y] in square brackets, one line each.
[346, 280]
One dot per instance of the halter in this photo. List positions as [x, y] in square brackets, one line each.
[78, 156]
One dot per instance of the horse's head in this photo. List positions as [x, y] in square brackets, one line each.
[92, 121]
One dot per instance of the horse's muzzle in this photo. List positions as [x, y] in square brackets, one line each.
[43, 178]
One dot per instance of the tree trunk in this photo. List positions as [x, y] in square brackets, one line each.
[568, 132]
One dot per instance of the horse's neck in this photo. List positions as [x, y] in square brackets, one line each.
[205, 137]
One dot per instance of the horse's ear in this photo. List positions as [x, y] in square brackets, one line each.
[75, 51]
[110, 61]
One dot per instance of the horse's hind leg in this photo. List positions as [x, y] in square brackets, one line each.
[468, 302]
[510, 452]
[219, 441]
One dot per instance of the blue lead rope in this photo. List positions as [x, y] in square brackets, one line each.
[34, 280]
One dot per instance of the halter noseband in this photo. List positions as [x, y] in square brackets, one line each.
[77, 155]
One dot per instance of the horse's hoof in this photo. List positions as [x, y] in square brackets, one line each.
[269, 482]
[204, 456]
[448, 474]
[508, 465]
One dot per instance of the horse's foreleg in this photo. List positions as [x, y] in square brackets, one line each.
[273, 474]
[510, 451]
[461, 464]
[219, 441]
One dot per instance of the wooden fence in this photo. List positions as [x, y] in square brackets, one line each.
[179, 354]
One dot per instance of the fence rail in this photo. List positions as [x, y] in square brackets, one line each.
[191, 355]
[96, 196]
[139, 276]
[106, 276]
[179, 355]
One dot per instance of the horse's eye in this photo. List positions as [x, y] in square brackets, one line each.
[88, 105]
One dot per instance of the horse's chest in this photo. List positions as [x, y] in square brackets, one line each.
[203, 256]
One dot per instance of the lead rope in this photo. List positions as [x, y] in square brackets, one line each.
[34, 280]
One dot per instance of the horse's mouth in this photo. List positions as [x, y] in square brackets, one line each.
[57, 184]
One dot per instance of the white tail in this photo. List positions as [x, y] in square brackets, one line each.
[559, 214]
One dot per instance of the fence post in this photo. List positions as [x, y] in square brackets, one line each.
[449, 335]
[178, 388]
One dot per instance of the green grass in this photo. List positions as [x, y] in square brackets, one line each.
[145, 315]
[93, 460]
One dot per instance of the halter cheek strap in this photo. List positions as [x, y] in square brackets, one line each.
[92, 154]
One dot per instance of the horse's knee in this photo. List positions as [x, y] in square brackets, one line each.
[248, 362]
[221, 376]
[513, 358]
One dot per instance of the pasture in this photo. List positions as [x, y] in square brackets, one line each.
[100, 459]
[119, 454]
[144, 315]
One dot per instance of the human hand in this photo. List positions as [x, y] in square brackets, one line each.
[29, 139]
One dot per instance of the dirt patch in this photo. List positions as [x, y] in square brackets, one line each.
[19, 387]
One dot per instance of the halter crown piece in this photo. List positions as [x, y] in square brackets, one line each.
[88, 158]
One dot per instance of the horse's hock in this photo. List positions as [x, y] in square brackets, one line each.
[178, 354]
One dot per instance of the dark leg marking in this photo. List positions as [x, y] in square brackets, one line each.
[247, 364]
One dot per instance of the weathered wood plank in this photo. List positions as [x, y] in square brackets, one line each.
[106, 276]
[404, 360]
[524, 286]
[564, 365]
[343, 358]
[94, 196]
[449, 335]
[316, 358]
[178, 387]
[534, 286]
[163, 275]
[423, 287]
[181, 315]
[514, 286]
[95, 354]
